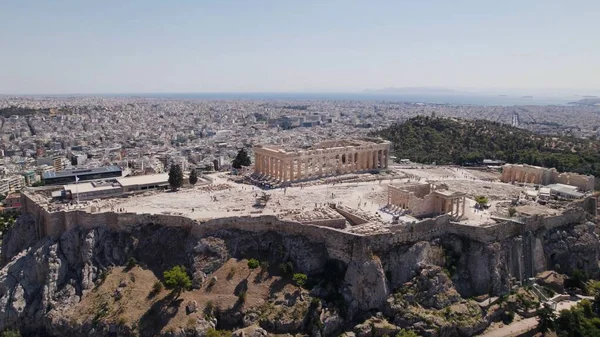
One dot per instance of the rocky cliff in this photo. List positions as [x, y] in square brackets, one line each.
[41, 279]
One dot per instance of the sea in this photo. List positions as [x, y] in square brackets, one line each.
[450, 99]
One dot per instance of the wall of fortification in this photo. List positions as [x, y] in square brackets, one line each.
[355, 219]
[401, 234]
[340, 244]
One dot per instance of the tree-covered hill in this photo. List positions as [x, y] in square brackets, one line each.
[457, 141]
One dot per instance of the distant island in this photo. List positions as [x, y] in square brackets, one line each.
[588, 100]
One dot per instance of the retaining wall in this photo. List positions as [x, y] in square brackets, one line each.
[340, 244]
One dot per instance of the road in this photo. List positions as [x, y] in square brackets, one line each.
[527, 324]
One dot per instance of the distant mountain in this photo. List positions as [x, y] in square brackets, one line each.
[589, 100]
[411, 90]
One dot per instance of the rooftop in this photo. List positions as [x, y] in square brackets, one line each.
[80, 172]
[144, 180]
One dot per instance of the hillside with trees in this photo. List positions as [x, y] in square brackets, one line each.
[463, 142]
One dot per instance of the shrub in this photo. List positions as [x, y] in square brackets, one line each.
[253, 264]
[11, 333]
[157, 287]
[315, 302]
[191, 322]
[131, 262]
[406, 333]
[231, 273]
[177, 279]
[122, 321]
[217, 333]
[481, 200]
[512, 211]
[209, 309]
[286, 268]
[300, 279]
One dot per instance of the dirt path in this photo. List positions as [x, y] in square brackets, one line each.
[527, 324]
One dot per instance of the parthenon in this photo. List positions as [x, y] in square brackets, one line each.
[323, 159]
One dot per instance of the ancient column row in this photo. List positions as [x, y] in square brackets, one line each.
[457, 207]
[314, 166]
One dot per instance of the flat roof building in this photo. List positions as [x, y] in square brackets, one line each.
[98, 190]
[67, 177]
[146, 182]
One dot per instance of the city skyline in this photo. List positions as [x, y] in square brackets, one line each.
[70, 47]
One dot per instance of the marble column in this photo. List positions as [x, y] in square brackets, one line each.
[320, 165]
[387, 159]
[269, 169]
[279, 169]
[363, 160]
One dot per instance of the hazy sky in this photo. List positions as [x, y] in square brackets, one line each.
[87, 46]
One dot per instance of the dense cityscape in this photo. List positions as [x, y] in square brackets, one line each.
[146, 135]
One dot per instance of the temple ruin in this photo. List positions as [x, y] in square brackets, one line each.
[425, 199]
[327, 158]
[512, 173]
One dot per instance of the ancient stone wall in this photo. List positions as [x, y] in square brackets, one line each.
[340, 244]
[355, 219]
[545, 176]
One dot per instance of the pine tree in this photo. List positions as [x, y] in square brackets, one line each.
[193, 177]
[175, 177]
[177, 279]
[242, 159]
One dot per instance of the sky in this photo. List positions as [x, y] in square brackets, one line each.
[153, 46]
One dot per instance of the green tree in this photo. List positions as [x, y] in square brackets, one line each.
[177, 280]
[481, 200]
[299, 279]
[512, 211]
[241, 159]
[175, 177]
[546, 318]
[193, 177]
[253, 264]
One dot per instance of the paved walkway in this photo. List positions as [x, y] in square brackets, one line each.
[517, 328]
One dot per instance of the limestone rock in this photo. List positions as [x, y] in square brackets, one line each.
[552, 280]
[366, 285]
[250, 319]
[331, 323]
[402, 263]
[201, 327]
[374, 326]
[251, 331]
[21, 235]
[191, 307]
